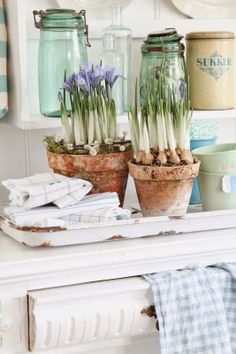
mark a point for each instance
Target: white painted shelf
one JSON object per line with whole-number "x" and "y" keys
{"x": 23, "y": 39}
{"x": 41, "y": 122}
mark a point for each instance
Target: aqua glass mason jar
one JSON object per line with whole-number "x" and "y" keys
{"x": 162, "y": 51}
{"x": 62, "y": 49}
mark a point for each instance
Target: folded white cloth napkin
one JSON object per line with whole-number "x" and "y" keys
{"x": 89, "y": 208}
{"x": 44, "y": 188}
{"x": 89, "y": 216}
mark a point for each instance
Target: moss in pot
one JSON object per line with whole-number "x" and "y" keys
{"x": 90, "y": 148}
{"x": 163, "y": 167}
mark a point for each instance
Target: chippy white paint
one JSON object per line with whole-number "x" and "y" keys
{"x": 161, "y": 226}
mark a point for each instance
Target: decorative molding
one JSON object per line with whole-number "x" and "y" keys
{"x": 13, "y": 321}
{"x": 89, "y": 313}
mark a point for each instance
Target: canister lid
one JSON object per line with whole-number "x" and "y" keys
{"x": 167, "y": 40}
{"x": 59, "y": 19}
{"x": 210, "y": 35}
{"x": 168, "y": 34}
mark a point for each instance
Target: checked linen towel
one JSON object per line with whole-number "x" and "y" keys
{"x": 44, "y": 188}
{"x": 110, "y": 214}
{"x": 196, "y": 309}
{"x": 3, "y": 63}
{"x": 92, "y": 208}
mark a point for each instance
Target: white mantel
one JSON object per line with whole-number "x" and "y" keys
{"x": 50, "y": 267}
{"x": 84, "y": 277}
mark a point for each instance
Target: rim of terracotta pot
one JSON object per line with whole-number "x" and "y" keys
{"x": 99, "y": 162}
{"x": 163, "y": 173}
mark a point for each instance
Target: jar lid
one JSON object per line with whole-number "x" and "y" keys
{"x": 210, "y": 35}
{"x": 163, "y": 41}
{"x": 59, "y": 18}
{"x": 166, "y": 35}
{"x": 61, "y": 12}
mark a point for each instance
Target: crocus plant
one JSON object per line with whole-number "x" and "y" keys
{"x": 161, "y": 135}
{"x": 91, "y": 126}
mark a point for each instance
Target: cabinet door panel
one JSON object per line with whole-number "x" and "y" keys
{"x": 88, "y": 313}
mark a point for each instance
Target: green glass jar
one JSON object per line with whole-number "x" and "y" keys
{"x": 162, "y": 51}
{"x": 62, "y": 48}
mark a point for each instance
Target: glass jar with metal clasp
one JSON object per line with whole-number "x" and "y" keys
{"x": 162, "y": 51}
{"x": 62, "y": 49}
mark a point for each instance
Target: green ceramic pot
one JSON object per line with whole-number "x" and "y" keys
{"x": 219, "y": 158}
{"x": 213, "y": 197}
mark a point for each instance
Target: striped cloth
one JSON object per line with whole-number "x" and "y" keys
{"x": 95, "y": 207}
{"x": 196, "y": 309}
{"x": 3, "y": 63}
{"x": 44, "y": 188}
{"x": 100, "y": 215}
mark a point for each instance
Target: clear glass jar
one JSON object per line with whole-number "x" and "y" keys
{"x": 62, "y": 48}
{"x": 113, "y": 58}
{"x": 123, "y": 45}
{"x": 162, "y": 51}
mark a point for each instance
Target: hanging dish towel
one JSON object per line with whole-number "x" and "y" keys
{"x": 3, "y": 63}
{"x": 196, "y": 309}
{"x": 44, "y": 188}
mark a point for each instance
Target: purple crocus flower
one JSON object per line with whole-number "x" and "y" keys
{"x": 96, "y": 76}
{"x": 182, "y": 88}
{"x": 68, "y": 85}
{"x": 111, "y": 75}
{"x": 82, "y": 81}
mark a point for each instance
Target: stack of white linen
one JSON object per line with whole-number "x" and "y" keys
{"x": 51, "y": 199}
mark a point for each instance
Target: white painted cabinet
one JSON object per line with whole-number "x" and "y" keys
{"x": 90, "y": 298}
{"x": 89, "y": 313}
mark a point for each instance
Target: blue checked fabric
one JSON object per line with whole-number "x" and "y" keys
{"x": 196, "y": 309}
{"x": 3, "y": 63}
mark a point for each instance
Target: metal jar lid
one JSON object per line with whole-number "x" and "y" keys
{"x": 164, "y": 41}
{"x": 209, "y": 35}
{"x": 55, "y": 19}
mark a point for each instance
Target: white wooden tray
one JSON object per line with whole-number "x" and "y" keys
{"x": 124, "y": 229}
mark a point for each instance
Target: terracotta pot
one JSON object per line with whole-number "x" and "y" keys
{"x": 163, "y": 190}
{"x": 106, "y": 172}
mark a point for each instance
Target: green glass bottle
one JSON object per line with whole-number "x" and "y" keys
{"x": 62, "y": 48}
{"x": 162, "y": 51}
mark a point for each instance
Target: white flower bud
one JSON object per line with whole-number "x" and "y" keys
{"x": 87, "y": 147}
{"x": 69, "y": 146}
{"x": 97, "y": 147}
{"x": 93, "y": 152}
{"x": 57, "y": 139}
{"x": 122, "y": 148}
{"x": 109, "y": 141}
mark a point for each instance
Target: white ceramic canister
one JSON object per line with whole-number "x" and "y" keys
{"x": 210, "y": 63}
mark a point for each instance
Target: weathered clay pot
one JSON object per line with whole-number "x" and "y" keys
{"x": 106, "y": 172}
{"x": 163, "y": 190}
